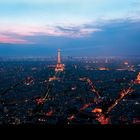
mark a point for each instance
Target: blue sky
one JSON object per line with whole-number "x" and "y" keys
{"x": 33, "y": 22}
{"x": 43, "y": 12}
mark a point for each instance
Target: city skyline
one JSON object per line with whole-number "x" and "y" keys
{"x": 69, "y": 62}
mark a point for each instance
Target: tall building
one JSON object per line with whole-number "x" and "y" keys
{"x": 59, "y": 66}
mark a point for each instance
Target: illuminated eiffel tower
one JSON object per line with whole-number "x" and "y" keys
{"x": 59, "y": 66}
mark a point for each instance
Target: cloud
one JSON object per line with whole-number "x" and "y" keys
{"x": 17, "y": 34}
{"x": 22, "y": 34}
{"x": 78, "y": 31}
{"x": 12, "y": 40}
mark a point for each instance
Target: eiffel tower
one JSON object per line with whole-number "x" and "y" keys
{"x": 59, "y": 66}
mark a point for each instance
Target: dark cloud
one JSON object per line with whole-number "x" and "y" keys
{"x": 68, "y": 29}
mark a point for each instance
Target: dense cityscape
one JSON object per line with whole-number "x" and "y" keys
{"x": 70, "y": 90}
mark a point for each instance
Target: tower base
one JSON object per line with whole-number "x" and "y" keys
{"x": 59, "y": 67}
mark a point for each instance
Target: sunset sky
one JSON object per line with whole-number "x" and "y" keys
{"x": 103, "y": 26}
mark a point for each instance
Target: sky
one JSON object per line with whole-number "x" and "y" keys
{"x": 87, "y": 26}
